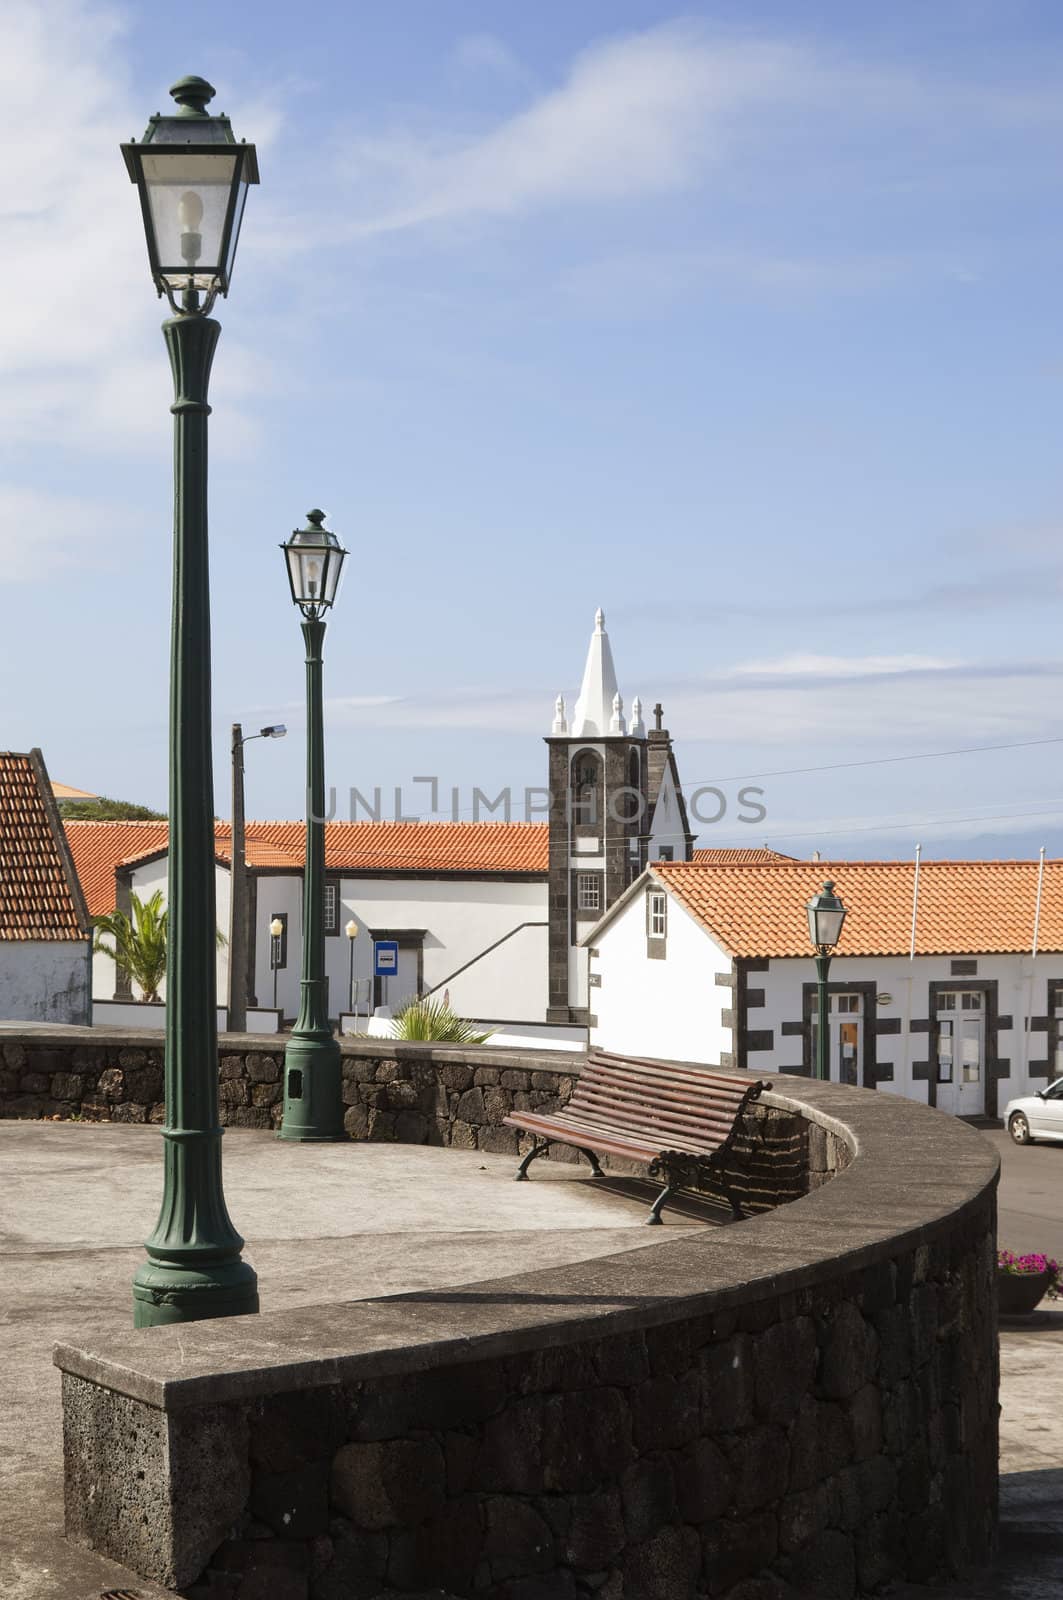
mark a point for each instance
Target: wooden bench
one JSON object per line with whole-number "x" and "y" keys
{"x": 678, "y": 1121}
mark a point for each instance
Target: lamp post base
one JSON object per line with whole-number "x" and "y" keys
{"x": 313, "y": 1090}
{"x": 165, "y": 1292}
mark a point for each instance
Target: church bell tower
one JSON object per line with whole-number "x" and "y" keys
{"x": 599, "y": 820}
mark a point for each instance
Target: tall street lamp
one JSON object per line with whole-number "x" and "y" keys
{"x": 351, "y": 930}
{"x": 313, "y": 1080}
{"x": 826, "y": 914}
{"x": 192, "y": 178}
{"x": 239, "y": 979}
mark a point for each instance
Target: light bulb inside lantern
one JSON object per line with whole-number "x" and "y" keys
{"x": 313, "y": 575}
{"x": 190, "y": 215}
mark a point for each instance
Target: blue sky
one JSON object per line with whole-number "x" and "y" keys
{"x": 743, "y": 322}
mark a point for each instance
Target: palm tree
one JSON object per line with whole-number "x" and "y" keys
{"x": 139, "y": 948}
{"x": 139, "y": 944}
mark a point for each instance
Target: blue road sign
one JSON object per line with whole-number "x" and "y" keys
{"x": 385, "y": 958}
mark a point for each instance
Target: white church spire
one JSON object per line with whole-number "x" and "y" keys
{"x": 616, "y": 721}
{"x": 638, "y": 729}
{"x": 560, "y": 725}
{"x": 594, "y": 708}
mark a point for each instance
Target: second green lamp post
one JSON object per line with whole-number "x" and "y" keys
{"x": 313, "y": 1081}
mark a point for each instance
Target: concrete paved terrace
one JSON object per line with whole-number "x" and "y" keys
{"x": 322, "y": 1223}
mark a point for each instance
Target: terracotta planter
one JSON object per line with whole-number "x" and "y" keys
{"x": 1019, "y": 1292}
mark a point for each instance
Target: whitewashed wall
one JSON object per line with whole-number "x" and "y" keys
{"x": 670, "y": 1007}
{"x": 673, "y": 1008}
{"x": 1021, "y": 993}
{"x": 44, "y": 980}
{"x": 145, "y": 880}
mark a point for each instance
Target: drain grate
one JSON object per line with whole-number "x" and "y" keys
{"x": 121, "y": 1594}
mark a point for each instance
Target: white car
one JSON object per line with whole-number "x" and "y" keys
{"x": 1036, "y": 1116}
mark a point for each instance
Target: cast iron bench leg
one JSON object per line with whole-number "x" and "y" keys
{"x": 539, "y": 1148}
{"x": 596, "y": 1166}
{"x": 658, "y": 1206}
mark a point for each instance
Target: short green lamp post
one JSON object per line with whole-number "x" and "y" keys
{"x": 313, "y": 1078}
{"x": 192, "y": 179}
{"x": 826, "y": 915}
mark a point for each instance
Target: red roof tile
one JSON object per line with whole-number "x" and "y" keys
{"x": 39, "y": 893}
{"x": 965, "y": 907}
{"x": 512, "y": 847}
{"x": 754, "y": 853}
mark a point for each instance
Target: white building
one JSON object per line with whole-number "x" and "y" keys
{"x": 44, "y": 925}
{"x": 491, "y": 913}
{"x": 951, "y": 993}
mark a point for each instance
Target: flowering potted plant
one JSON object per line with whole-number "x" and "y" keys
{"x": 1023, "y": 1280}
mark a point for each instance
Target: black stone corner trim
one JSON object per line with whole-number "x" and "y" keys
{"x": 963, "y": 969}
{"x": 724, "y": 980}
{"x": 1005, "y": 1021}
{"x": 920, "y": 1071}
{"x": 792, "y": 1030}
{"x": 757, "y": 963}
{"x": 888, "y": 1025}
{"x": 883, "y": 1071}
{"x": 803, "y": 1069}
{"x": 760, "y": 1039}
{"x": 919, "y": 1025}
{"x": 1037, "y": 1069}
{"x": 754, "y": 998}
{"x": 1000, "y": 1068}
{"x": 1039, "y": 1024}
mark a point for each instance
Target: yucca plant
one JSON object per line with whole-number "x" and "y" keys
{"x": 139, "y": 948}
{"x": 433, "y": 1019}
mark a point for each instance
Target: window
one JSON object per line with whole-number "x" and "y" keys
{"x": 588, "y": 891}
{"x": 332, "y": 906}
{"x": 666, "y": 852}
{"x": 586, "y": 770}
{"x": 657, "y": 914}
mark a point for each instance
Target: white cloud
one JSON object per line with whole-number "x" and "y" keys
{"x": 81, "y": 359}
{"x": 636, "y": 115}
{"x": 652, "y": 113}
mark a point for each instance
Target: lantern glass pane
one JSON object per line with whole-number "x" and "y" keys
{"x": 829, "y": 925}
{"x": 188, "y": 196}
{"x": 234, "y": 235}
{"x": 333, "y": 573}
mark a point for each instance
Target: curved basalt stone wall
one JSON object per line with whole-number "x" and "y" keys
{"x": 804, "y": 1404}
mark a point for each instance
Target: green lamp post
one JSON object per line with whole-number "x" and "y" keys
{"x": 826, "y": 914}
{"x": 313, "y": 1079}
{"x": 192, "y": 178}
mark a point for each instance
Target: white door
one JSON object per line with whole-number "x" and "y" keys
{"x": 961, "y": 1052}
{"x": 846, "y": 1037}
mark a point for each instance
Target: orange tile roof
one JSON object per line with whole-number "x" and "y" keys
{"x": 39, "y": 893}
{"x": 100, "y": 847}
{"x": 753, "y": 853}
{"x": 965, "y": 907}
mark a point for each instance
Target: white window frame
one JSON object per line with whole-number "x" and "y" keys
{"x": 656, "y": 914}
{"x": 589, "y": 891}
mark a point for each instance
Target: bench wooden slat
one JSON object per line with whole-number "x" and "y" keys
{"x": 643, "y": 1116}
{"x": 658, "y": 1068}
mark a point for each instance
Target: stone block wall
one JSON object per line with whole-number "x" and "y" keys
{"x": 821, "y": 1443}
